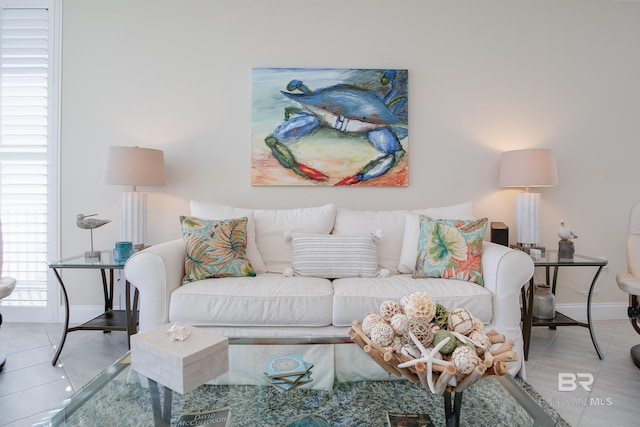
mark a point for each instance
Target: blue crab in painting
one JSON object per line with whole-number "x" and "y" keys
{"x": 347, "y": 109}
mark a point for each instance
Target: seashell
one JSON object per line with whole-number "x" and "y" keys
{"x": 388, "y": 309}
{"x": 410, "y": 350}
{"x": 400, "y": 323}
{"x": 382, "y": 334}
{"x": 465, "y": 359}
{"x": 420, "y": 304}
{"x": 478, "y": 326}
{"x": 369, "y": 321}
{"x": 461, "y": 321}
{"x": 482, "y": 339}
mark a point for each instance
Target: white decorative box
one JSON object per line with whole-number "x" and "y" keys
{"x": 181, "y": 366}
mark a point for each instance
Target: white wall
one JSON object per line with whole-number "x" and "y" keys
{"x": 484, "y": 76}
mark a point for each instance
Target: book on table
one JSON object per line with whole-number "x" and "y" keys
{"x": 395, "y": 419}
{"x": 218, "y": 417}
{"x": 288, "y": 372}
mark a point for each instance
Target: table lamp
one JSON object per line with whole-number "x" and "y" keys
{"x": 134, "y": 166}
{"x": 528, "y": 168}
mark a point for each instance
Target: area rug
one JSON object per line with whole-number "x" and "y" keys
{"x": 348, "y": 404}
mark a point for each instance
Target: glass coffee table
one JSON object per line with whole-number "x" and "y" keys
{"x": 116, "y": 397}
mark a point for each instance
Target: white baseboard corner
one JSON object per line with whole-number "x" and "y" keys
{"x": 599, "y": 311}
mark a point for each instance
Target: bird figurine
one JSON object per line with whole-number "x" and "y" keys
{"x": 83, "y": 221}
{"x": 87, "y": 223}
{"x": 564, "y": 233}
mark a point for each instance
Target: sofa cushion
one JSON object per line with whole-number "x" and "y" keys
{"x": 331, "y": 256}
{"x": 450, "y": 249}
{"x": 411, "y": 234}
{"x": 272, "y": 223}
{"x": 215, "y": 248}
{"x": 355, "y": 297}
{"x": 392, "y": 224}
{"x": 215, "y": 211}
{"x": 265, "y": 300}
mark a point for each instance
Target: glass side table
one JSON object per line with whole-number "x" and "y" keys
{"x": 110, "y": 320}
{"x": 551, "y": 261}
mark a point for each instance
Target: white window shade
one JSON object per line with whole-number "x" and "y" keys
{"x": 25, "y": 148}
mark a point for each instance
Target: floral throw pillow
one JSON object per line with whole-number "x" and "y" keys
{"x": 450, "y": 249}
{"x": 215, "y": 248}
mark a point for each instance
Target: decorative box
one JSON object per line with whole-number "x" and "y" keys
{"x": 181, "y": 366}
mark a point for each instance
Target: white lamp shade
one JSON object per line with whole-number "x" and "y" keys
{"x": 528, "y": 168}
{"x": 134, "y": 166}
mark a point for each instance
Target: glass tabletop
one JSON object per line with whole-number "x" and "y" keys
{"x": 81, "y": 261}
{"x": 550, "y": 257}
{"x": 119, "y": 396}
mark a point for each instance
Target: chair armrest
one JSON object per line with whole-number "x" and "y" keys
{"x": 156, "y": 272}
{"x": 628, "y": 283}
{"x": 505, "y": 271}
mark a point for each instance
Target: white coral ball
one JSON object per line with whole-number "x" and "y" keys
{"x": 400, "y": 323}
{"x": 465, "y": 360}
{"x": 382, "y": 334}
{"x": 388, "y": 309}
{"x": 420, "y": 304}
{"x": 369, "y": 322}
{"x": 461, "y": 321}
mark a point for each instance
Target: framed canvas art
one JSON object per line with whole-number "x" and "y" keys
{"x": 329, "y": 127}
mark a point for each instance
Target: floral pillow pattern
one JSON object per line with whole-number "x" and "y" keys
{"x": 450, "y": 249}
{"x": 215, "y": 248}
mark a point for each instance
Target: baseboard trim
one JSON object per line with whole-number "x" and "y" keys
{"x": 599, "y": 311}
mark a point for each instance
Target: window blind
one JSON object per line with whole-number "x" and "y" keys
{"x": 24, "y": 145}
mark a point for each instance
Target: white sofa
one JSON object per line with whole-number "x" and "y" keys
{"x": 273, "y": 304}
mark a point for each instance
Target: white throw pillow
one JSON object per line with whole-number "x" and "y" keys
{"x": 332, "y": 257}
{"x": 463, "y": 211}
{"x": 392, "y": 222}
{"x": 272, "y": 223}
{"x": 219, "y": 212}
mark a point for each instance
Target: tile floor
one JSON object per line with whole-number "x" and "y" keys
{"x": 30, "y": 386}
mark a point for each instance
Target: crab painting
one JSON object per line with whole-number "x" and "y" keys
{"x": 372, "y": 113}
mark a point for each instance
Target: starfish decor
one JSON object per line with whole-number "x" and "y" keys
{"x": 428, "y": 357}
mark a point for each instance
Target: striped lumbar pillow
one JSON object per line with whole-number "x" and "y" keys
{"x": 332, "y": 256}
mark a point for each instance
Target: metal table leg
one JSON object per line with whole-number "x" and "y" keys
{"x": 589, "y": 320}
{"x": 66, "y": 318}
{"x": 161, "y": 414}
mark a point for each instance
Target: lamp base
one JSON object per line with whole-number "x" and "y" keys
{"x": 528, "y": 218}
{"x": 133, "y": 218}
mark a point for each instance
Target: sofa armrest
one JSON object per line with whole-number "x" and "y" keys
{"x": 156, "y": 272}
{"x": 504, "y": 271}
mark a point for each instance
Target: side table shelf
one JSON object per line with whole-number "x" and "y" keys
{"x": 110, "y": 320}
{"x": 551, "y": 261}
